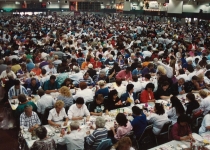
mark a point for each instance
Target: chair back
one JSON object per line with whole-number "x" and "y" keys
{"x": 147, "y": 132}
{"x": 105, "y": 144}
{"x": 45, "y": 116}
{"x": 165, "y": 127}
{"x": 198, "y": 121}
{"x": 111, "y": 80}
{"x": 67, "y": 108}
{"x": 169, "y": 131}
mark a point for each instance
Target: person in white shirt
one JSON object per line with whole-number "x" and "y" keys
{"x": 75, "y": 77}
{"x": 44, "y": 77}
{"x": 137, "y": 84}
{"x": 121, "y": 88}
{"x": 74, "y": 139}
{"x": 182, "y": 75}
{"x": 86, "y": 93}
{"x": 57, "y": 61}
{"x": 146, "y": 53}
{"x": 158, "y": 118}
{"x": 205, "y": 102}
{"x": 57, "y": 114}
{"x": 6, "y": 72}
{"x": 79, "y": 110}
{"x": 50, "y": 68}
{"x": 44, "y": 101}
{"x": 205, "y": 125}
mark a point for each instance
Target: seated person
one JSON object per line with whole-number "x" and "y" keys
{"x": 22, "y": 72}
{"x": 68, "y": 83}
{"x": 205, "y": 103}
{"x": 180, "y": 87}
{"x": 51, "y": 85}
{"x": 99, "y": 133}
{"x": 201, "y": 82}
{"x": 23, "y": 102}
{"x": 181, "y": 130}
{"x": 148, "y": 69}
{"x": 113, "y": 101}
{"x": 176, "y": 109}
{"x": 124, "y": 126}
{"x": 121, "y": 89}
{"x": 192, "y": 104}
{"x": 97, "y": 107}
{"x": 205, "y": 125}
{"x": 125, "y": 74}
{"x": 57, "y": 114}
{"x": 33, "y": 86}
{"x": 65, "y": 96}
{"x": 129, "y": 98}
{"x": 158, "y": 118}
{"x": 87, "y": 79}
{"x": 163, "y": 92}
{"x": 137, "y": 71}
{"x": 124, "y": 143}
{"x": 84, "y": 92}
{"x": 75, "y": 139}
{"x": 36, "y": 70}
{"x": 182, "y": 75}
{"x": 147, "y": 78}
{"x": 139, "y": 123}
{"x": 102, "y": 89}
{"x": 147, "y": 95}
{"x": 193, "y": 85}
{"x": 136, "y": 83}
{"x": 50, "y": 69}
{"x": 79, "y": 110}
{"x": 16, "y": 90}
{"x": 45, "y": 101}
{"x": 102, "y": 76}
{"x": 44, "y": 140}
{"x": 29, "y": 119}
{"x": 91, "y": 71}
{"x": 44, "y": 77}
{"x": 110, "y": 61}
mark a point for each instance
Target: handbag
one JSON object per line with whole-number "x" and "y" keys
{"x": 197, "y": 113}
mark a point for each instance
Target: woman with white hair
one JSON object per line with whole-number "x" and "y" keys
{"x": 110, "y": 60}
{"x": 162, "y": 76}
{"x": 99, "y": 134}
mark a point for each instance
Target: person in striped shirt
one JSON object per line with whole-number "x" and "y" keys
{"x": 99, "y": 134}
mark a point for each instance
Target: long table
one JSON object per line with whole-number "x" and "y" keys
{"x": 202, "y": 140}
{"x": 84, "y": 126}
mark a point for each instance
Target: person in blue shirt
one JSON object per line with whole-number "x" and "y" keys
{"x": 51, "y": 85}
{"x": 148, "y": 69}
{"x": 103, "y": 90}
{"x": 137, "y": 71}
{"x": 129, "y": 95}
{"x": 139, "y": 122}
{"x": 29, "y": 65}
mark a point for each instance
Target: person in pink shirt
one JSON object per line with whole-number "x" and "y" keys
{"x": 124, "y": 126}
{"x": 125, "y": 74}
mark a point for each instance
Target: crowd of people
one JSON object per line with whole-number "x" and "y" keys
{"x": 43, "y": 55}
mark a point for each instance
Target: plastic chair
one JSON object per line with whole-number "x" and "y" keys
{"x": 145, "y": 136}
{"x": 105, "y": 144}
{"x": 163, "y": 131}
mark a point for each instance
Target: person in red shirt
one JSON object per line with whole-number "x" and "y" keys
{"x": 97, "y": 63}
{"x": 147, "y": 95}
{"x": 181, "y": 130}
{"x": 113, "y": 42}
{"x": 38, "y": 58}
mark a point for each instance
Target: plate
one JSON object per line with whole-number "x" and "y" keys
{"x": 197, "y": 137}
